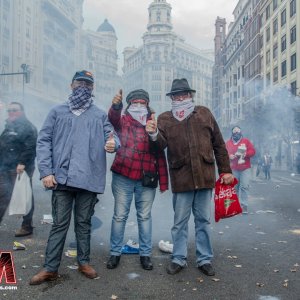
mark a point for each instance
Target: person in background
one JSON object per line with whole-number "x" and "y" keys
{"x": 266, "y": 164}
{"x": 259, "y": 165}
{"x": 240, "y": 151}
{"x": 297, "y": 162}
{"x": 194, "y": 143}
{"x": 17, "y": 154}
{"x": 71, "y": 155}
{"x": 135, "y": 158}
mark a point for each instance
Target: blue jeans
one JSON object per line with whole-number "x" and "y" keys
{"x": 199, "y": 202}
{"x": 242, "y": 188}
{"x": 62, "y": 206}
{"x": 123, "y": 190}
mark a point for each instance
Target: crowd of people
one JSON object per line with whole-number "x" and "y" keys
{"x": 183, "y": 144}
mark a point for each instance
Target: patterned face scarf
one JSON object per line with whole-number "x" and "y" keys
{"x": 139, "y": 112}
{"x": 182, "y": 109}
{"x": 80, "y": 100}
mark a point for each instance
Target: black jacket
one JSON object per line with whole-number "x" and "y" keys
{"x": 18, "y": 144}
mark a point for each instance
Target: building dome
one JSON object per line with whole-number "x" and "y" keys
{"x": 106, "y": 27}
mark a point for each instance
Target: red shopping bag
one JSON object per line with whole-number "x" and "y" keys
{"x": 226, "y": 200}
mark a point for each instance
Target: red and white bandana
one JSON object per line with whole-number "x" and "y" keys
{"x": 182, "y": 109}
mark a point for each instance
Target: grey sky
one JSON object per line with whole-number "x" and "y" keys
{"x": 192, "y": 19}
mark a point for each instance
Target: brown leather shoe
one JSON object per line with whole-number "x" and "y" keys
{"x": 88, "y": 271}
{"x": 43, "y": 276}
{"x": 23, "y": 232}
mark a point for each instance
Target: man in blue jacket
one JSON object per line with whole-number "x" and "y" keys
{"x": 72, "y": 162}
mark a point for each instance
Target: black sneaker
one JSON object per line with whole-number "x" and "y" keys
{"x": 207, "y": 269}
{"x": 174, "y": 268}
{"x": 113, "y": 262}
{"x": 146, "y": 263}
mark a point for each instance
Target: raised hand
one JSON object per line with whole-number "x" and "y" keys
{"x": 118, "y": 98}
{"x": 110, "y": 143}
{"x": 151, "y": 125}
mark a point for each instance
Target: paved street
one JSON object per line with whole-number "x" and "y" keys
{"x": 256, "y": 255}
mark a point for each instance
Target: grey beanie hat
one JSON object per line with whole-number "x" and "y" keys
{"x": 138, "y": 94}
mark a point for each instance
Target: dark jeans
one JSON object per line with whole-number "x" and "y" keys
{"x": 267, "y": 172}
{"x": 7, "y": 182}
{"x": 62, "y": 207}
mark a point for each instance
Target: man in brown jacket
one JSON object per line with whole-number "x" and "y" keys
{"x": 194, "y": 143}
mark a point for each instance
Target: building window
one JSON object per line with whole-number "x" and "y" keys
{"x": 275, "y": 26}
{"x": 283, "y": 17}
{"x": 158, "y": 16}
{"x": 292, "y": 8}
{"x": 261, "y": 41}
{"x": 268, "y": 34}
{"x": 275, "y": 51}
{"x": 293, "y": 34}
{"x": 283, "y": 43}
{"x": 275, "y": 74}
{"x": 268, "y": 57}
{"x": 268, "y": 79}
{"x": 268, "y": 12}
{"x": 293, "y": 62}
{"x": 294, "y": 88}
{"x": 275, "y": 4}
{"x": 283, "y": 68}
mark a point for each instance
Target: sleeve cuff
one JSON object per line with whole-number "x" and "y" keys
{"x": 117, "y": 106}
{"x": 153, "y": 136}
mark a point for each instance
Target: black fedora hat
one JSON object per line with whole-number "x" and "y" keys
{"x": 180, "y": 85}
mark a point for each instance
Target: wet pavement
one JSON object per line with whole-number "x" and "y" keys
{"x": 256, "y": 255}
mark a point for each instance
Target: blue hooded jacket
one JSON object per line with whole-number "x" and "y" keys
{"x": 71, "y": 147}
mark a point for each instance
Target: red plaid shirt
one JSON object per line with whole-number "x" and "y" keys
{"x": 134, "y": 155}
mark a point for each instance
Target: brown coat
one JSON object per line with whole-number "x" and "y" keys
{"x": 193, "y": 146}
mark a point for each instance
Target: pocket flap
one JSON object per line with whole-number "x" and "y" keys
{"x": 177, "y": 163}
{"x": 208, "y": 159}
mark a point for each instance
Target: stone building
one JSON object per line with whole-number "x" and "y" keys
{"x": 164, "y": 56}
{"x": 99, "y": 52}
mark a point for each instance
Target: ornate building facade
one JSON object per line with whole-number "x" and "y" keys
{"x": 47, "y": 36}
{"x": 163, "y": 57}
{"x": 99, "y": 52}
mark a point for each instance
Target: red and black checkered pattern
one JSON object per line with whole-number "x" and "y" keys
{"x": 135, "y": 154}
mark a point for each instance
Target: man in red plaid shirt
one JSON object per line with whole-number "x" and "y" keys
{"x": 134, "y": 159}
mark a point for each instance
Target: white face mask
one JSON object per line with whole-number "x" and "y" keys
{"x": 182, "y": 109}
{"x": 139, "y": 112}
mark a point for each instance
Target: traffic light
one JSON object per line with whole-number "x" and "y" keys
{"x": 26, "y": 72}
{"x": 27, "y": 76}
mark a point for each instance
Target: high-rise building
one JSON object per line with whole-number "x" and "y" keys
{"x": 99, "y": 55}
{"x": 163, "y": 57}
{"x": 6, "y": 43}
{"x": 280, "y": 50}
{"x": 252, "y": 58}
{"x": 234, "y": 63}
{"x": 47, "y": 37}
{"x": 218, "y": 68}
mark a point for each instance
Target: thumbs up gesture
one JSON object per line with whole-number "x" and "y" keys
{"x": 118, "y": 98}
{"x": 110, "y": 143}
{"x": 151, "y": 125}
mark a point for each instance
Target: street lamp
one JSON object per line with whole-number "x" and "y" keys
{"x": 25, "y": 73}
{"x": 26, "y": 79}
